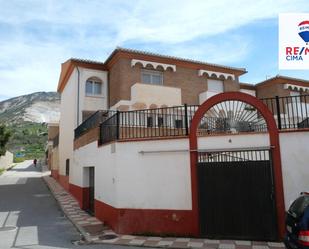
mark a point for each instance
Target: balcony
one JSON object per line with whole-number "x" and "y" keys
{"x": 155, "y": 95}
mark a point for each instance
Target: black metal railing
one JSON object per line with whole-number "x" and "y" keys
{"x": 290, "y": 112}
{"x": 55, "y": 141}
{"x": 109, "y": 129}
{"x": 160, "y": 122}
{"x": 169, "y": 121}
{"x": 93, "y": 121}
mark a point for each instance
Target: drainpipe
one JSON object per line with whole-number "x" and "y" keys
{"x": 78, "y": 90}
{"x": 107, "y": 90}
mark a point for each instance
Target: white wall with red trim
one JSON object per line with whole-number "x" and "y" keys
{"x": 294, "y": 148}
{"x": 70, "y": 106}
{"x": 126, "y": 178}
{"x": 68, "y": 120}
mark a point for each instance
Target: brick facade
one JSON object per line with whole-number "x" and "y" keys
{"x": 275, "y": 86}
{"x": 123, "y": 76}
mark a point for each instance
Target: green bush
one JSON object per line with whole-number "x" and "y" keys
{"x": 18, "y": 159}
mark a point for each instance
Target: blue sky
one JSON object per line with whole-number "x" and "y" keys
{"x": 36, "y": 36}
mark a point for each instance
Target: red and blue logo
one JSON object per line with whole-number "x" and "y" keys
{"x": 297, "y": 53}
{"x": 304, "y": 31}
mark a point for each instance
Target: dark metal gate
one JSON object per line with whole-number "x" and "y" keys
{"x": 236, "y": 195}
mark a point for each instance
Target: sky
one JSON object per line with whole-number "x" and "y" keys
{"x": 36, "y": 36}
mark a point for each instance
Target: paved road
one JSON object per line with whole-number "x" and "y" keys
{"x": 29, "y": 215}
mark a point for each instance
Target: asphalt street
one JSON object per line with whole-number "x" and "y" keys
{"x": 29, "y": 215}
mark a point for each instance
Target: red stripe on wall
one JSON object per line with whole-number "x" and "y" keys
{"x": 64, "y": 181}
{"x": 55, "y": 174}
{"x": 81, "y": 195}
{"x": 146, "y": 221}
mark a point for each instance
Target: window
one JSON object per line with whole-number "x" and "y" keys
{"x": 152, "y": 77}
{"x": 93, "y": 87}
{"x": 67, "y": 167}
{"x": 215, "y": 85}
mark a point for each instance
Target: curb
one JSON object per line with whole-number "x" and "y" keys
{"x": 84, "y": 235}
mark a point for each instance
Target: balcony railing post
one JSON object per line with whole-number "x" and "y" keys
{"x": 278, "y": 112}
{"x": 117, "y": 124}
{"x": 186, "y": 120}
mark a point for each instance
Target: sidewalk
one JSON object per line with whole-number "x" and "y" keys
{"x": 94, "y": 230}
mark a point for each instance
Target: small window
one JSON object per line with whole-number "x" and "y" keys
{"x": 152, "y": 77}
{"x": 93, "y": 87}
{"x": 67, "y": 167}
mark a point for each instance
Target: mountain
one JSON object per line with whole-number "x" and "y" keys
{"x": 39, "y": 107}
{"x": 26, "y": 117}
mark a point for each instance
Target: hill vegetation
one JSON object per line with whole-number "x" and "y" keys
{"x": 26, "y": 119}
{"x": 28, "y": 140}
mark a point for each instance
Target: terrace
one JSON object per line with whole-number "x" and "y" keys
{"x": 230, "y": 117}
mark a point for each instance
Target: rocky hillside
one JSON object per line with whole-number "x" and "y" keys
{"x": 26, "y": 117}
{"x": 39, "y": 107}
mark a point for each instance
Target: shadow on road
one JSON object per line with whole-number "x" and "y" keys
{"x": 30, "y": 168}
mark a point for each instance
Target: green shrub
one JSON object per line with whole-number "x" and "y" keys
{"x": 18, "y": 159}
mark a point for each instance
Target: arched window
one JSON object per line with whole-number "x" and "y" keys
{"x": 94, "y": 87}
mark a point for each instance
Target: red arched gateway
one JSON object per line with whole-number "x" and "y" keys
{"x": 274, "y": 145}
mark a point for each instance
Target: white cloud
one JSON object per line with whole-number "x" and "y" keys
{"x": 42, "y": 34}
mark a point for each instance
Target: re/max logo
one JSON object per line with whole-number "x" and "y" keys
{"x": 296, "y": 53}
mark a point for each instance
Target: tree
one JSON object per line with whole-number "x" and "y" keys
{"x": 4, "y": 138}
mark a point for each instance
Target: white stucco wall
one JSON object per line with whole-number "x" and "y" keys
{"x": 206, "y": 95}
{"x": 92, "y": 103}
{"x": 295, "y": 164}
{"x": 126, "y": 178}
{"x": 154, "y": 180}
{"x": 69, "y": 109}
{"x": 233, "y": 141}
{"x": 105, "y": 171}
{"x": 247, "y": 91}
{"x": 68, "y": 121}
{"x": 155, "y": 94}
